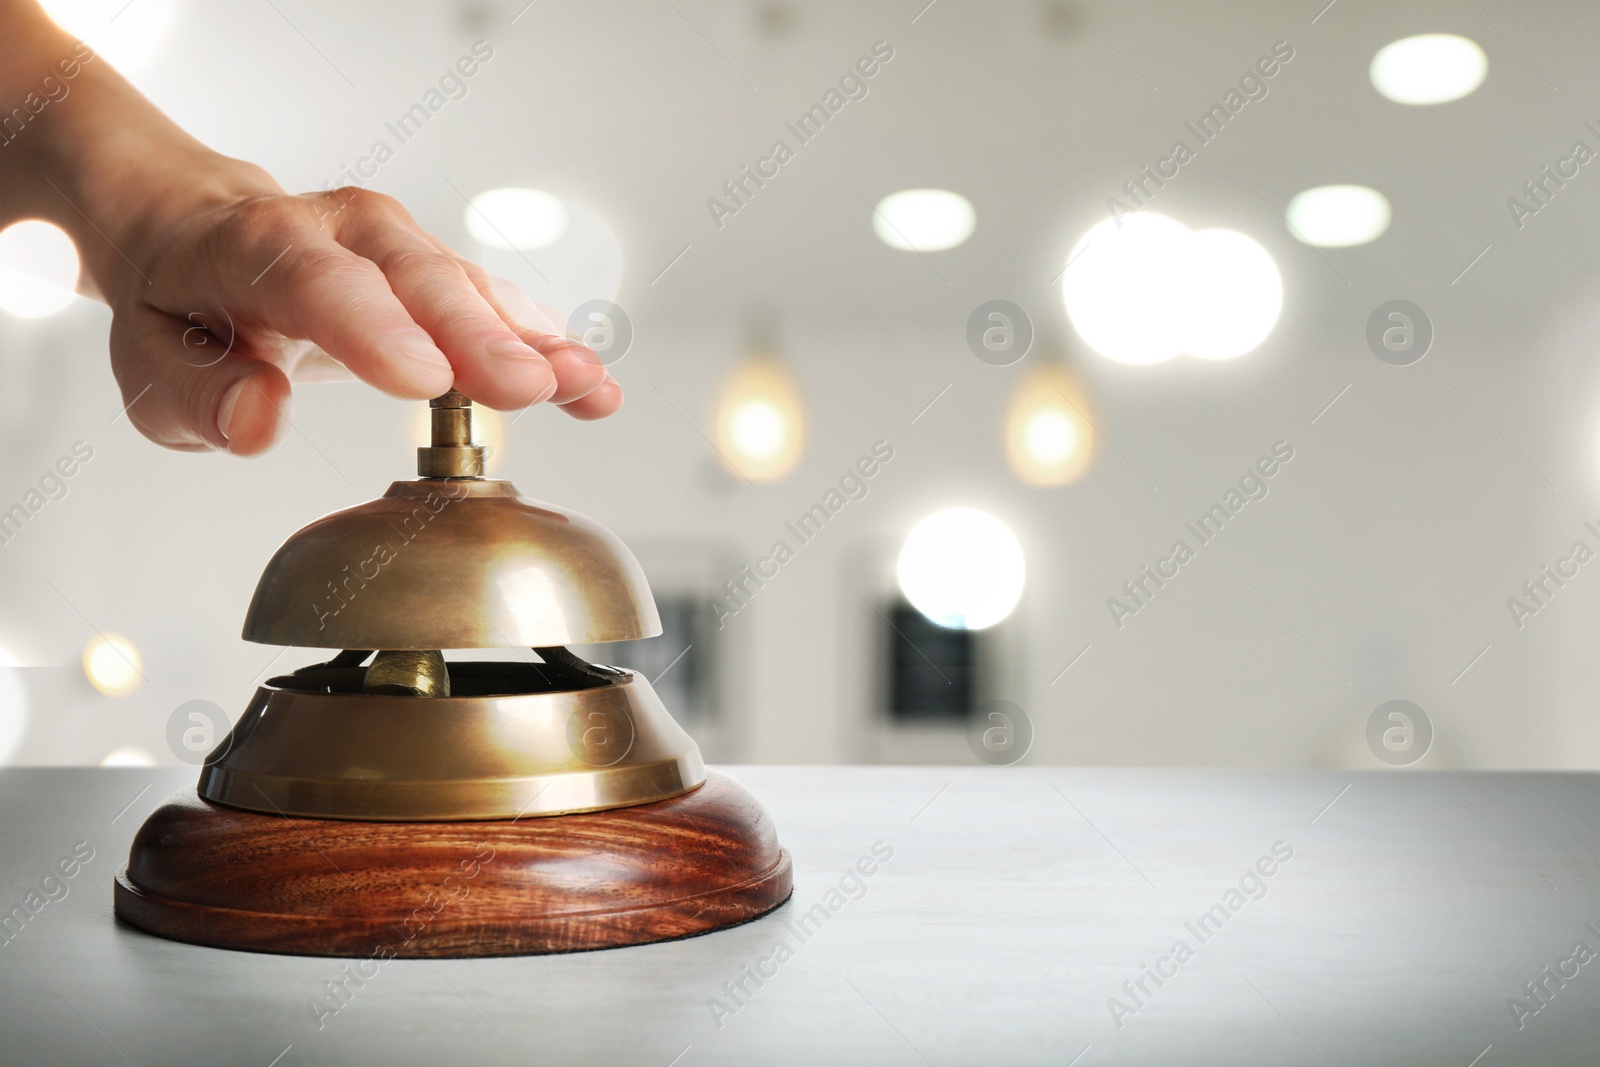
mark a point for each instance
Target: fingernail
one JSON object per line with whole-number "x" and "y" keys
{"x": 230, "y": 400}
{"x": 510, "y": 348}
{"x": 419, "y": 347}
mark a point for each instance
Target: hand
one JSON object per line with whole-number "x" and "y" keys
{"x": 214, "y": 324}
{"x": 224, "y": 289}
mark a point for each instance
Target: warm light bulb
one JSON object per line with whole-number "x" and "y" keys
{"x": 112, "y": 664}
{"x": 962, "y": 568}
{"x": 758, "y": 430}
{"x": 924, "y": 220}
{"x": 1049, "y": 439}
{"x": 38, "y": 269}
{"x": 516, "y": 218}
{"x": 760, "y": 426}
{"x": 1433, "y": 68}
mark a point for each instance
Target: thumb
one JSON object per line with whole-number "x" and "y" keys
{"x": 193, "y": 385}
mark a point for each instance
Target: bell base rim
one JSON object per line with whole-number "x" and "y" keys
{"x": 481, "y": 757}
{"x": 220, "y": 877}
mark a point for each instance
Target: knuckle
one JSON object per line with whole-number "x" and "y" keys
{"x": 259, "y": 221}
{"x": 367, "y": 203}
{"x": 269, "y": 214}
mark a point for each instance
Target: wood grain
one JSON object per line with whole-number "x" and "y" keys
{"x": 213, "y": 875}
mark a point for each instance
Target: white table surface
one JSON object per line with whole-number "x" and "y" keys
{"x": 1016, "y": 903}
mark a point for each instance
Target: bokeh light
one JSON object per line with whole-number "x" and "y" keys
{"x": 1049, "y": 439}
{"x": 924, "y": 220}
{"x": 1433, "y": 68}
{"x": 38, "y": 269}
{"x": 112, "y": 664}
{"x": 1338, "y": 216}
{"x": 516, "y": 218}
{"x": 1142, "y": 288}
{"x": 962, "y": 568}
{"x": 760, "y": 423}
{"x": 127, "y": 34}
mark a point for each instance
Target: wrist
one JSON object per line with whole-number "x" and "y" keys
{"x": 123, "y": 178}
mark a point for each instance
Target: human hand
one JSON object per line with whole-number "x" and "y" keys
{"x": 224, "y": 288}
{"x": 231, "y": 304}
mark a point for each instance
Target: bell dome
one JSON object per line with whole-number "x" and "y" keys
{"x": 451, "y": 560}
{"x": 451, "y": 563}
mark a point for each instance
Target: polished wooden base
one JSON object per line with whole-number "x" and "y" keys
{"x": 213, "y": 875}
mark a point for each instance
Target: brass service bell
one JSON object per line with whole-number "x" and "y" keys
{"x": 397, "y": 758}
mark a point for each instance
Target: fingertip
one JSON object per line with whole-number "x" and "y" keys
{"x": 421, "y": 369}
{"x": 578, "y": 370}
{"x": 515, "y": 376}
{"x": 605, "y": 399}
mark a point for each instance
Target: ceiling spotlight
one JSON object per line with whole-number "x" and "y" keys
{"x": 1338, "y": 216}
{"x": 1433, "y": 68}
{"x": 962, "y": 568}
{"x": 760, "y": 425}
{"x": 516, "y": 218}
{"x": 1142, "y": 288}
{"x": 38, "y": 269}
{"x": 112, "y": 665}
{"x": 923, "y": 220}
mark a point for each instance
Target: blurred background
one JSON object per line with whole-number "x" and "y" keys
{"x": 980, "y": 346}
